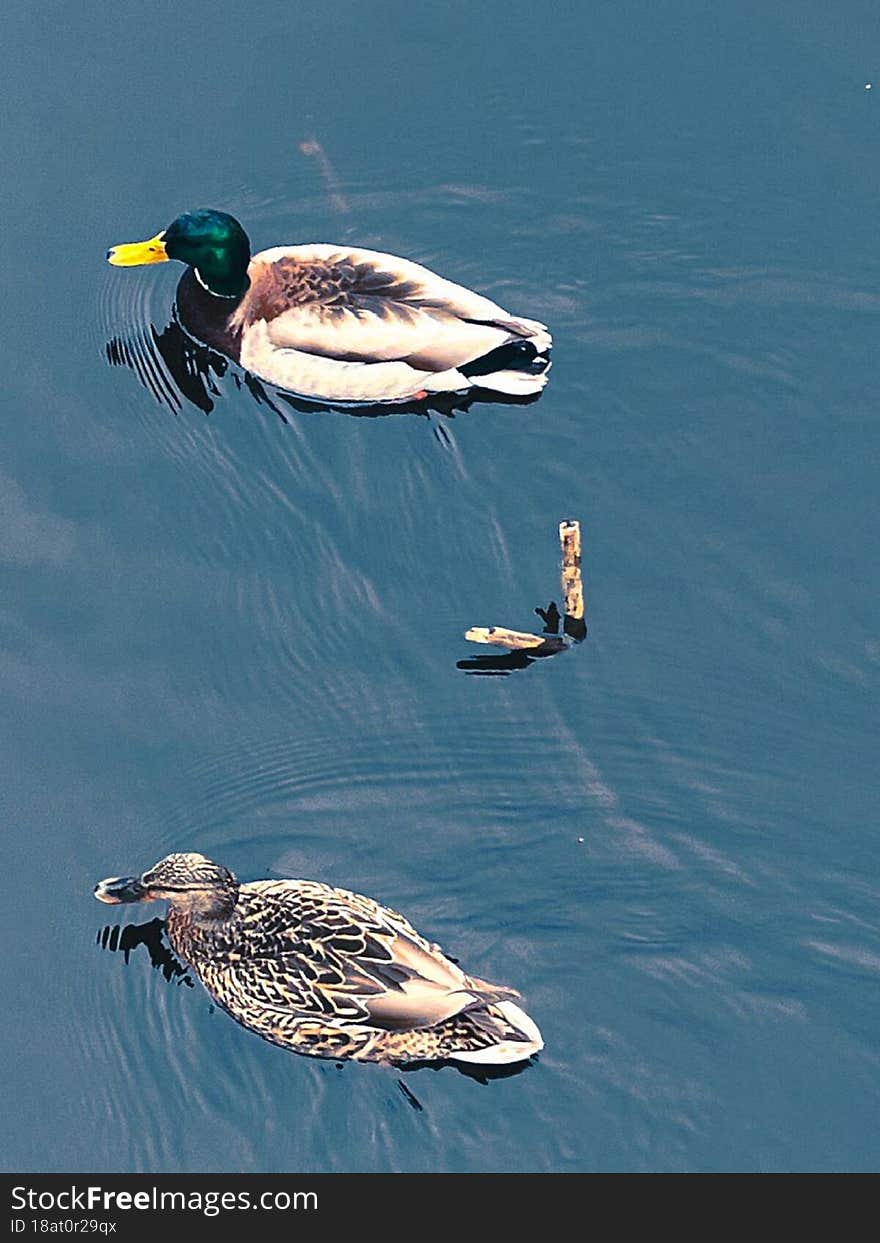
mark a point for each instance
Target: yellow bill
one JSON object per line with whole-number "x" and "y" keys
{"x": 133, "y": 254}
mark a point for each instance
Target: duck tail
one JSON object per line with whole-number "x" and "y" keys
{"x": 518, "y": 1036}
{"x": 519, "y": 367}
{"x": 512, "y": 383}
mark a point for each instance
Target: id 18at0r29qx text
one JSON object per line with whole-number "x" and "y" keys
{"x": 64, "y": 1225}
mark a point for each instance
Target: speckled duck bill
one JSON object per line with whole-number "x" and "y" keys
{"x": 120, "y": 889}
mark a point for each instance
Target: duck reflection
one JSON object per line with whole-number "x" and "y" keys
{"x": 178, "y": 370}
{"x": 124, "y": 938}
{"x": 480, "y": 1074}
{"x": 484, "y": 1075}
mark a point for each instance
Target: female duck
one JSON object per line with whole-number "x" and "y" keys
{"x": 326, "y": 972}
{"x": 340, "y": 323}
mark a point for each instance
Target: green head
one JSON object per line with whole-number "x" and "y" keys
{"x": 211, "y": 242}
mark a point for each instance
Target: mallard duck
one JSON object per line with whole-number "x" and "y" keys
{"x": 326, "y": 972}
{"x": 339, "y": 323}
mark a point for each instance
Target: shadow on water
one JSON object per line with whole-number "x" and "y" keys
{"x": 178, "y": 370}
{"x": 123, "y": 938}
{"x": 470, "y": 1070}
{"x": 505, "y": 664}
{"x": 484, "y": 1075}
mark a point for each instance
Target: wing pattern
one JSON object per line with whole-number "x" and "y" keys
{"x": 319, "y": 952}
{"x": 367, "y": 307}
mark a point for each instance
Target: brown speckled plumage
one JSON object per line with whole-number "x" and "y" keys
{"x": 327, "y": 972}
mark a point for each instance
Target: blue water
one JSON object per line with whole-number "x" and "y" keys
{"x": 237, "y": 634}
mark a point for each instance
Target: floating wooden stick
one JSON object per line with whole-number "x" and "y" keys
{"x": 573, "y": 594}
{"x": 499, "y": 636}
{"x": 572, "y": 585}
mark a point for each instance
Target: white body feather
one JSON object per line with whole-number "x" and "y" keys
{"x": 393, "y": 350}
